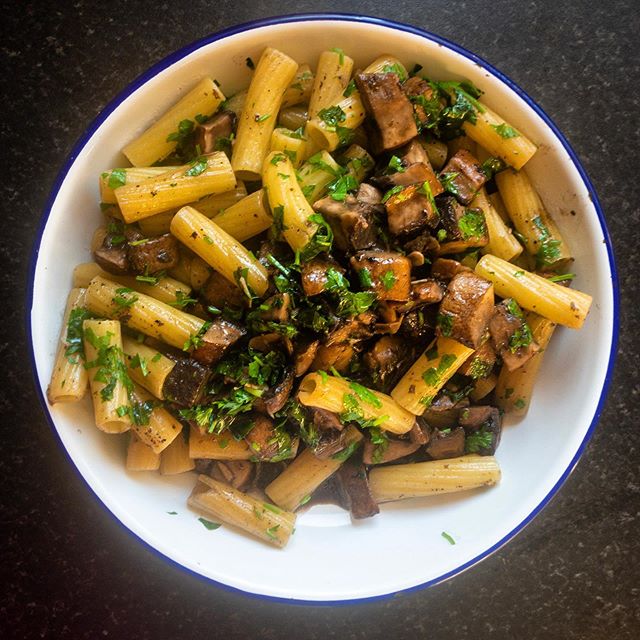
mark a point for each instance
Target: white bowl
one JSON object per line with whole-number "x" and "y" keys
{"x": 329, "y": 558}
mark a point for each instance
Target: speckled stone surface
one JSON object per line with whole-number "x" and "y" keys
{"x": 70, "y": 571}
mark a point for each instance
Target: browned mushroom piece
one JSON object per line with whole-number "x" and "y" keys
{"x": 483, "y": 428}
{"x": 331, "y": 442}
{"x": 418, "y": 325}
{"x": 112, "y": 259}
{"x": 388, "y": 272}
{"x": 411, "y": 210}
{"x": 416, "y": 173}
{"x": 337, "y": 356}
{"x": 212, "y": 135}
{"x": 443, "y": 412}
{"x": 314, "y": 275}
{"x": 326, "y": 420}
{"x": 151, "y": 255}
{"x": 446, "y": 444}
{"x": 220, "y": 293}
{"x": 389, "y": 107}
{"x": 423, "y": 292}
{"x": 368, "y": 194}
{"x": 463, "y": 228}
{"x": 304, "y": 354}
{"x": 420, "y": 432}
{"x": 186, "y": 383}
{"x": 275, "y": 398}
{"x": 481, "y": 362}
{"x": 421, "y": 93}
{"x": 266, "y": 342}
{"x": 237, "y": 473}
{"x": 392, "y": 450}
{"x": 465, "y": 174}
{"x": 353, "y": 484}
{"x": 276, "y": 308}
{"x": 353, "y": 222}
{"x": 215, "y": 341}
{"x": 445, "y": 268}
{"x": 466, "y": 309}
{"x": 385, "y": 357}
{"x": 511, "y": 336}
{"x": 390, "y": 316}
{"x": 262, "y": 438}
{"x": 266, "y": 473}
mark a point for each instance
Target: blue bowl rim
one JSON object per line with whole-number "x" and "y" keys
{"x": 343, "y": 17}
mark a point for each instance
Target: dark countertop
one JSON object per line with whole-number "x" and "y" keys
{"x": 72, "y": 572}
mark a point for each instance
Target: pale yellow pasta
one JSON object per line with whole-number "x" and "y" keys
{"x": 175, "y": 458}
{"x": 69, "y": 377}
{"x": 541, "y": 235}
{"x": 327, "y": 135}
{"x": 225, "y": 504}
{"x": 140, "y": 456}
{"x": 286, "y": 196}
{"x": 218, "y": 249}
{"x": 114, "y": 178}
{"x": 300, "y": 88}
{"x": 199, "y": 272}
{"x": 514, "y": 389}
{"x": 498, "y": 205}
{"x": 359, "y": 162}
{"x": 502, "y": 242}
{"x": 210, "y": 174}
{"x": 161, "y": 428}
{"x": 213, "y": 446}
{"x": 111, "y": 408}
{"x": 316, "y": 174}
{"x": 236, "y": 102}
{"x": 154, "y": 144}
{"x": 290, "y": 143}
{"x": 332, "y": 76}
{"x": 247, "y": 217}
{"x": 306, "y": 473}
{"x": 272, "y": 76}
{"x": 142, "y": 313}
{"x": 167, "y": 289}
{"x": 210, "y": 206}
{"x": 559, "y": 304}
{"x": 330, "y": 392}
{"x": 147, "y": 366}
{"x": 482, "y": 387}
{"x": 516, "y": 150}
{"x": 419, "y": 479}
{"x": 431, "y": 371}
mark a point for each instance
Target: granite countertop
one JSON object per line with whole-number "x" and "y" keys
{"x": 72, "y": 572}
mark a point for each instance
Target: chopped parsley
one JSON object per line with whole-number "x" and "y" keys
{"x": 349, "y": 89}
{"x": 139, "y": 361}
{"x": 197, "y": 167}
{"x": 182, "y": 300}
{"x": 472, "y": 224}
{"x": 322, "y": 239}
{"x": 340, "y": 53}
{"x": 117, "y": 178}
{"x": 448, "y": 537}
{"x": 448, "y": 182}
{"x": 395, "y": 165}
{"x": 366, "y": 395}
{"x": 332, "y": 116}
{"x": 388, "y": 279}
{"x": 125, "y": 297}
{"x": 505, "y": 131}
{"x": 271, "y": 531}
{"x": 491, "y": 166}
{"x": 75, "y": 334}
{"x": 396, "y": 68}
{"x": 364, "y": 275}
{"x": 561, "y": 278}
{"x": 549, "y": 250}
{"x": 341, "y": 186}
{"x": 346, "y": 453}
{"x": 433, "y": 376}
{"x": 209, "y": 525}
{"x": 442, "y": 235}
{"x": 478, "y": 440}
{"x": 520, "y": 403}
{"x": 262, "y": 118}
{"x": 444, "y": 321}
{"x": 392, "y": 192}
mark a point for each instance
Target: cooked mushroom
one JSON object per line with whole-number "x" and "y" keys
{"x": 110, "y": 252}
{"x": 483, "y": 427}
{"x": 423, "y": 292}
{"x": 420, "y": 432}
{"x": 411, "y": 210}
{"x": 353, "y": 222}
{"x": 326, "y": 420}
{"x": 212, "y": 135}
{"x": 444, "y": 411}
{"x": 305, "y": 352}
{"x": 220, "y": 293}
{"x": 314, "y": 275}
{"x": 221, "y": 335}
{"x": 237, "y": 473}
{"x": 388, "y": 273}
{"x": 186, "y": 383}
{"x": 463, "y": 228}
{"x": 151, "y": 255}
{"x": 416, "y": 173}
{"x": 421, "y": 93}
{"x": 418, "y": 325}
{"x": 275, "y": 398}
{"x": 354, "y": 486}
{"x": 511, "y": 335}
{"x": 446, "y": 444}
{"x": 466, "y": 309}
{"x": 480, "y": 363}
{"x": 337, "y": 356}
{"x": 276, "y": 308}
{"x": 465, "y": 176}
{"x": 389, "y": 107}
{"x": 368, "y": 194}
{"x": 331, "y": 442}
{"x": 392, "y": 450}
{"x": 262, "y": 438}
{"x": 386, "y": 357}
{"x": 445, "y": 268}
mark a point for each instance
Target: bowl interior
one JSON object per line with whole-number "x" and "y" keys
{"x": 329, "y": 558}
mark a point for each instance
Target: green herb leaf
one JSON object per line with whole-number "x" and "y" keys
{"x": 505, "y": 131}
{"x": 210, "y": 526}
{"x": 448, "y": 538}
{"x": 388, "y": 279}
{"x": 117, "y": 178}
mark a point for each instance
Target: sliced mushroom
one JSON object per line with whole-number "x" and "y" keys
{"x": 386, "y": 357}
{"x": 511, "y": 336}
{"x": 465, "y": 175}
{"x": 211, "y": 134}
{"x": 354, "y": 486}
{"x": 275, "y": 398}
{"x": 446, "y": 444}
{"x": 463, "y": 228}
{"x": 237, "y": 473}
{"x": 388, "y": 272}
{"x": 221, "y": 335}
{"x": 421, "y": 93}
{"x": 392, "y": 450}
{"x": 220, "y": 293}
{"x": 304, "y": 354}
{"x": 326, "y": 420}
{"x": 151, "y": 255}
{"x": 445, "y": 269}
{"x": 483, "y": 427}
{"x": 262, "y": 438}
{"x": 186, "y": 383}
{"x": 411, "y": 210}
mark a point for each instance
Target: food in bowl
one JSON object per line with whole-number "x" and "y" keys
{"x": 302, "y": 280}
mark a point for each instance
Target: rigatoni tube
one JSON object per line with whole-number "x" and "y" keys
{"x": 315, "y": 175}
{"x": 140, "y": 456}
{"x": 206, "y": 175}
{"x": 160, "y": 428}
{"x": 142, "y": 313}
{"x": 430, "y": 372}
{"x": 559, "y": 304}
{"x": 114, "y": 178}
{"x": 515, "y": 388}
{"x": 295, "y": 485}
{"x": 158, "y": 141}
{"x": 213, "y": 446}
{"x": 107, "y": 375}
{"x": 226, "y": 504}
{"x": 218, "y": 249}
{"x": 397, "y": 482}
{"x": 340, "y": 395}
{"x": 502, "y": 242}
{"x": 247, "y": 217}
{"x": 272, "y": 76}
{"x": 147, "y": 366}
{"x": 541, "y": 235}
{"x": 175, "y": 458}
{"x": 69, "y": 379}
{"x": 332, "y": 76}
